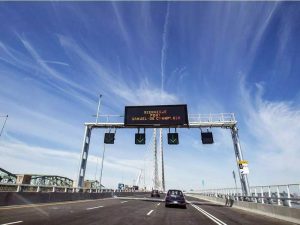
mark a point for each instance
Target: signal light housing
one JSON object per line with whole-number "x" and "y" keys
{"x": 109, "y": 138}
{"x": 207, "y": 137}
{"x": 140, "y": 139}
{"x": 173, "y": 139}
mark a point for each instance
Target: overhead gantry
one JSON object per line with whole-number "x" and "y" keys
{"x": 198, "y": 121}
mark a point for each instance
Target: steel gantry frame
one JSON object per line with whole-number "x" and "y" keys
{"x": 199, "y": 121}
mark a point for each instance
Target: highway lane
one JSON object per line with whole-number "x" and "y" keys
{"x": 123, "y": 211}
{"x": 233, "y": 216}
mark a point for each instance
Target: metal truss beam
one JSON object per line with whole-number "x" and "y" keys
{"x": 49, "y": 180}
{"x": 7, "y": 177}
{"x": 223, "y": 120}
{"x": 191, "y": 125}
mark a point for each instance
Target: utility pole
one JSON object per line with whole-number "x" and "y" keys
{"x": 98, "y": 108}
{"x": 102, "y": 161}
{"x": 103, "y": 153}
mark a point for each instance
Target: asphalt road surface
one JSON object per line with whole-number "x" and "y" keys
{"x": 140, "y": 210}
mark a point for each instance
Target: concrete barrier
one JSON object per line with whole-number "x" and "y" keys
{"x": 21, "y": 198}
{"x": 275, "y": 211}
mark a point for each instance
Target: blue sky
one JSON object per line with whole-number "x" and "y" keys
{"x": 240, "y": 57}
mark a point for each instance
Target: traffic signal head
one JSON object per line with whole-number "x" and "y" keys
{"x": 173, "y": 139}
{"x": 140, "y": 139}
{"x": 109, "y": 138}
{"x": 207, "y": 138}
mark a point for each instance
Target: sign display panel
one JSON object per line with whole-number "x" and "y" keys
{"x": 140, "y": 139}
{"x": 173, "y": 139}
{"x": 164, "y": 115}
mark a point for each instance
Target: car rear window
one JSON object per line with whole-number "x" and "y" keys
{"x": 175, "y": 192}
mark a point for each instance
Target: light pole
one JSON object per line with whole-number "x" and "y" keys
{"x": 98, "y": 109}
{"x": 102, "y": 161}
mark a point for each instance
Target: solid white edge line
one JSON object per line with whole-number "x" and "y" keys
{"x": 149, "y": 212}
{"x": 220, "y": 221}
{"x": 95, "y": 207}
{"x": 207, "y": 215}
{"x": 12, "y": 223}
{"x": 210, "y": 216}
{"x": 213, "y": 218}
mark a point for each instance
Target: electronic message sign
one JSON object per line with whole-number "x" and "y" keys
{"x": 156, "y": 115}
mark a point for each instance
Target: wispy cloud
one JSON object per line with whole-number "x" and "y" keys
{"x": 56, "y": 62}
{"x": 128, "y": 92}
{"x": 164, "y": 48}
{"x": 121, "y": 24}
{"x": 273, "y": 126}
{"x": 50, "y": 71}
{"x": 58, "y": 161}
{"x": 34, "y": 66}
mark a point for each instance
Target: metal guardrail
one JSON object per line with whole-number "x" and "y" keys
{"x": 285, "y": 195}
{"x": 40, "y": 188}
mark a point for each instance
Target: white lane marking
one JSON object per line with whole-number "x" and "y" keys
{"x": 49, "y": 204}
{"x": 123, "y": 202}
{"x": 149, "y": 212}
{"x": 213, "y": 218}
{"x": 12, "y": 223}
{"x": 95, "y": 207}
{"x": 158, "y": 204}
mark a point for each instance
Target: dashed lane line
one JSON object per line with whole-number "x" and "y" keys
{"x": 158, "y": 204}
{"x": 213, "y": 218}
{"x": 12, "y": 223}
{"x": 50, "y": 204}
{"x": 124, "y": 202}
{"x": 148, "y": 214}
{"x": 101, "y": 206}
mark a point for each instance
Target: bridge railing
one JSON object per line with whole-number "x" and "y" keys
{"x": 39, "y": 188}
{"x": 285, "y": 195}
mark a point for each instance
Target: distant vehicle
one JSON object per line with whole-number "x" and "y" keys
{"x": 155, "y": 193}
{"x": 175, "y": 198}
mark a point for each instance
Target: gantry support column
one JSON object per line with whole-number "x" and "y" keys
{"x": 84, "y": 156}
{"x": 239, "y": 157}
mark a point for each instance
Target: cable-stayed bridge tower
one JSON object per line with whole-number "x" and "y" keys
{"x": 161, "y": 148}
{"x": 156, "y": 183}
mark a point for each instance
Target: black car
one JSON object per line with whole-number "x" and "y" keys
{"x": 155, "y": 193}
{"x": 175, "y": 198}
